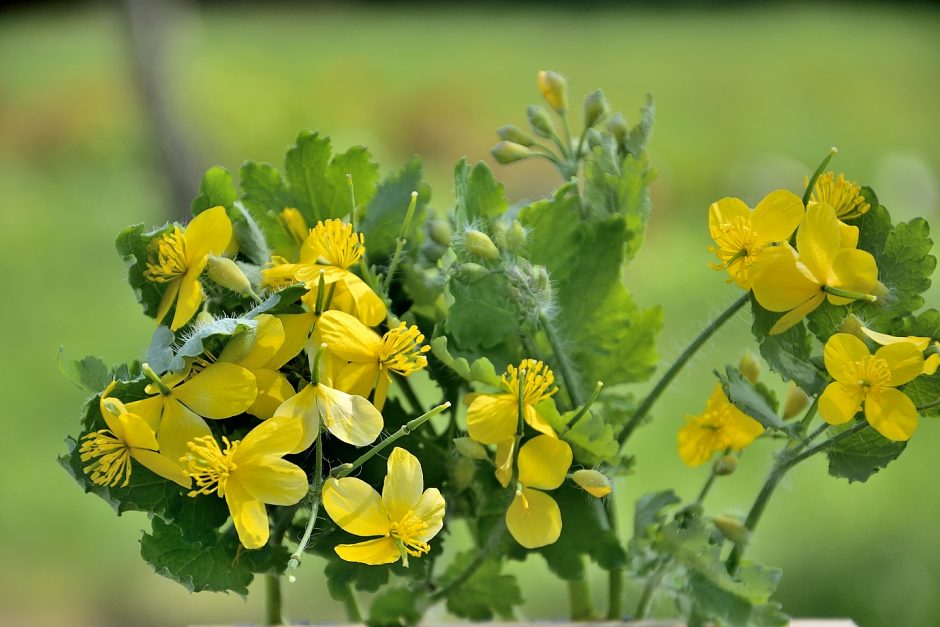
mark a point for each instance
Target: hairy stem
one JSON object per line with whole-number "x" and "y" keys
{"x": 649, "y": 590}
{"x": 563, "y": 363}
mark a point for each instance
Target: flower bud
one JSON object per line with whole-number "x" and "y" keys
{"x": 750, "y": 367}
{"x": 726, "y": 465}
{"x": 238, "y": 346}
{"x": 513, "y": 133}
{"x": 853, "y": 326}
{"x": 880, "y": 291}
{"x": 463, "y": 471}
{"x": 440, "y": 232}
{"x": 618, "y": 127}
{"x": 515, "y": 237}
{"x": 593, "y": 138}
{"x": 592, "y": 482}
{"x": 540, "y": 122}
{"x": 479, "y": 243}
{"x": 554, "y": 89}
{"x": 469, "y": 447}
{"x": 507, "y": 152}
{"x": 595, "y": 108}
{"x": 226, "y": 273}
{"x": 471, "y": 273}
{"x": 732, "y": 529}
{"x": 203, "y": 318}
{"x": 796, "y": 402}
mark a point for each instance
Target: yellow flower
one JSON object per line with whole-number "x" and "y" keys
{"x": 533, "y": 517}
{"x": 931, "y": 363}
{"x": 176, "y": 411}
{"x": 741, "y": 235}
{"x": 721, "y": 426}
{"x": 405, "y": 516}
{"x": 249, "y": 474}
{"x": 331, "y": 247}
{"x": 842, "y": 195}
{"x": 127, "y": 437}
{"x": 178, "y": 259}
{"x": 276, "y": 341}
{"x": 352, "y": 419}
{"x": 493, "y": 418}
{"x": 362, "y": 359}
{"x": 870, "y": 380}
{"x": 799, "y": 283}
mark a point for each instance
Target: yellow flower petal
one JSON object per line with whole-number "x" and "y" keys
{"x": 538, "y": 422}
{"x": 178, "y": 427}
{"x": 777, "y": 216}
{"x": 162, "y": 466}
{"x": 355, "y": 378}
{"x": 544, "y": 462}
{"x": 840, "y": 354}
{"x": 149, "y": 409}
{"x": 742, "y": 429}
{"x": 905, "y": 361}
{"x": 818, "y": 239}
{"x": 355, "y": 507}
{"x": 369, "y": 307}
{"x": 190, "y": 295}
{"x": 404, "y": 484}
{"x": 786, "y": 321}
{"x": 430, "y": 508}
{"x": 892, "y": 413}
{"x": 296, "y": 332}
{"x": 503, "y": 460}
{"x": 884, "y": 339}
{"x": 274, "y": 437}
{"x": 209, "y": 233}
{"x": 272, "y": 480}
{"x": 848, "y": 235}
{"x": 268, "y": 339}
{"x": 346, "y": 337}
{"x": 273, "y": 390}
{"x": 372, "y": 552}
{"x": 221, "y": 390}
{"x": 492, "y": 418}
{"x": 726, "y": 211}
{"x": 780, "y": 283}
{"x": 135, "y": 432}
{"x": 302, "y": 407}
{"x": 852, "y": 270}
{"x": 248, "y": 514}
{"x": 534, "y": 519}
{"x": 840, "y": 402}
{"x": 168, "y": 298}
{"x": 931, "y": 364}
{"x": 352, "y": 419}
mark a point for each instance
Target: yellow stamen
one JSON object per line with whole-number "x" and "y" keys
{"x": 870, "y": 372}
{"x": 113, "y": 458}
{"x": 737, "y": 243}
{"x": 208, "y": 465}
{"x": 406, "y": 533}
{"x": 167, "y": 258}
{"x": 403, "y": 350}
{"x": 537, "y": 381}
{"x": 337, "y": 243}
{"x": 841, "y": 194}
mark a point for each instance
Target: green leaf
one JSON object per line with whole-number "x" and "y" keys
{"x": 480, "y": 315}
{"x": 650, "y": 510}
{"x": 787, "y": 354}
{"x": 479, "y": 195}
{"x": 862, "y": 454}
{"x": 394, "y": 606}
{"x": 385, "y": 214}
{"x": 481, "y": 370}
{"x": 745, "y": 396}
{"x": 216, "y": 188}
{"x": 194, "y": 344}
{"x": 265, "y": 195}
{"x": 132, "y": 244}
{"x": 251, "y": 239}
{"x": 341, "y": 574}
{"x": 485, "y": 593}
{"x": 592, "y": 440}
{"x": 88, "y": 373}
{"x": 640, "y": 133}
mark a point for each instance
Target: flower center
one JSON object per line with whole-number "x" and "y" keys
{"x": 870, "y": 372}
{"x": 336, "y": 244}
{"x": 168, "y": 258}
{"x": 208, "y": 465}
{"x": 406, "y": 533}
{"x": 536, "y": 381}
{"x": 403, "y": 350}
{"x": 112, "y": 458}
{"x": 278, "y": 274}
{"x": 737, "y": 241}
{"x": 842, "y": 195}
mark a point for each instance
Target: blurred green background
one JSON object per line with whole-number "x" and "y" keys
{"x": 748, "y": 100}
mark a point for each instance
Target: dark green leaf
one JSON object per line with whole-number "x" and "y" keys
{"x": 650, "y": 510}
{"x": 745, "y": 397}
{"x": 479, "y": 195}
{"x": 862, "y": 454}
{"x": 787, "y": 354}
{"x": 394, "y": 606}
{"x": 341, "y": 574}
{"x": 88, "y": 373}
{"x": 265, "y": 195}
{"x": 216, "y": 188}
{"x": 485, "y": 593}
{"x": 385, "y": 214}
{"x": 132, "y": 244}
{"x": 592, "y": 440}
{"x": 480, "y": 315}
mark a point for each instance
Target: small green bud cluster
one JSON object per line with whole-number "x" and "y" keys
{"x": 530, "y": 290}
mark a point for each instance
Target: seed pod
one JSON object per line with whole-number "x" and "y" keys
{"x": 750, "y": 367}
{"x": 479, "y": 243}
{"x": 595, "y": 108}
{"x": 226, "y": 273}
{"x": 507, "y": 152}
{"x": 540, "y": 122}
{"x": 513, "y": 133}
{"x": 469, "y": 447}
{"x": 554, "y": 89}
{"x": 440, "y": 232}
{"x": 796, "y": 402}
{"x": 726, "y": 465}
{"x": 592, "y": 482}
{"x": 732, "y": 529}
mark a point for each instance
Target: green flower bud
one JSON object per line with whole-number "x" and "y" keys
{"x": 593, "y": 138}
{"x": 595, "y": 108}
{"x": 471, "y": 273}
{"x": 732, "y": 529}
{"x": 592, "y": 482}
{"x": 507, "y": 152}
{"x": 513, "y": 133}
{"x": 618, "y": 126}
{"x": 463, "y": 471}
{"x": 797, "y": 401}
{"x": 750, "y": 367}
{"x": 554, "y": 89}
{"x": 204, "y": 318}
{"x": 226, "y": 273}
{"x": 726, "y": 465}
{"x": 238, "y": 346}
{"x": 540, "y": 122}
{"x": 515, "y": 237}
{"x": 469, "y": 447}
{"x": 479, "y": 243}
{"x": 440, "y": 232}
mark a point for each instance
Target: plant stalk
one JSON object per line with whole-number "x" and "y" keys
{"x": 579, "y": 598}
{"x": 649, "y": 590}
{"x": 351, "y": 605}
{"x": 565, "y": 367}
{"x": 614, "y": 576}
{"x": 272, "y": 598}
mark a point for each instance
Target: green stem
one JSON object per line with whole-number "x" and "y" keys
{"x": 351, "y": 605}
{"x": 272, "y": 606}
{"x": 808, "y": 417}
{"x": 492, "y": 541}
{"x": 676, "y": 367}
{"x": 153, "y": 376}
{"x": 835, "y": 291}
{"x": 565, "y": 367}
{"x": 579, "y": 598}
{"x": 649, "y": 590}
{"x": 587, "y": 405}
{"x": 819, "y": 170}
{"x": 345, "y": 469}
{"x": 400, "y": 242}
{"x": 706, "y": 488}
{"x": 614, "y": 576}
{"x": 929, "y": 405}
{"x": 297, "y": 555}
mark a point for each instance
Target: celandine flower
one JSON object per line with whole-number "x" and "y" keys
{"x": 870, "y": 380}
{"x": 493, "y": 418}
{"x": 931, "y": 363}
{"x": 127, "y": 437}
{"x": 405, "y": 516}
{"x": 178, "y": 259}
{"x": 249, "y": 474}
{"x": 721, "y": 426}
{"x": 363, "y": 359}
{"x": 841, "y": 194}
{"x": 741, "y": 235}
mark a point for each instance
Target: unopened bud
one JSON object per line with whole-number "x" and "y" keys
{"x": 515, "y": 237}
{"x": 226, "y": 273}
{"x": 750, "y": 367}
{"x": 554, "y": 89}
{"x": 593, "y": 138}
{"x": 592, "y": 482}
{"x": 540, "y": 122}
{"x": 726, "y": 465}
{"x": 797, "y": 401}
{"x": 513, "y": 133}
{"x": 880, "y": 291}
{"x": 618, "y": 126}
{"x": 508, "y": 152}
{"x": 440, "y": 232}
{"x": 469, "y": 447}
{"x": 203, "y": 318}
{"x": 595, "y": 108}
{"x": 471, "y": 273}
{"x": 463, "y": 471}
{"x": 732, "y": 529}
{"x": 238, "y": 346}
{"x": 479, "y": 243}
{"x": 853, "y": 326}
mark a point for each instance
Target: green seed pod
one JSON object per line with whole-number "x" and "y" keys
{"x": 479, "y": 243}
{"x": 540, "y": 122}
{"x": 469, "y": 447}
{"x": 513, "y": 133}
{"x": 618, "y": 126}
{"x": 226, "y": 273}
{"x": 595, "y": 108}
{"x": 507, "y": 152}
{"x": 726, "y": 465}
{"x": 732, "y": 529}
{"x": 750, "y": 367}
{"x": 440, "y": 232}
{"x": 797, "y": 401}
{"x": 592, "y": 482}
{"x": 515, "y": 237}
{"x": 554, "y": 89}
